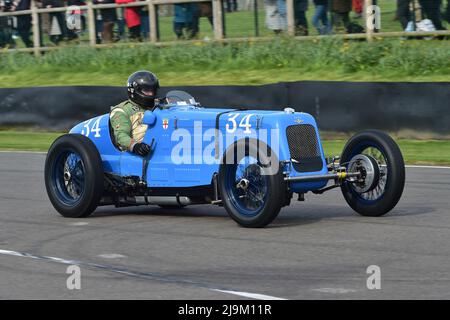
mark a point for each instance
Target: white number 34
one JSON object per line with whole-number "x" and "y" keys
{"x": 87, "y": 129}
{"x": 231, "y": 126}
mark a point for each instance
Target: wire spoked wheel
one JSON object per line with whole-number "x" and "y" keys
{"x": 74, "y": 176}
{"x": 248, "y": 186}
{"x": 251, "y": 188}
{"x": 69, "y": 177}
{"x": 380, "y": 186}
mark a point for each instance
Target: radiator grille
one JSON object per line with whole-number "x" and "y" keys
{"x": 304, "y": 148}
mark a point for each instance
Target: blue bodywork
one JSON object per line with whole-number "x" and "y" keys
{"x": 169, "y": 128}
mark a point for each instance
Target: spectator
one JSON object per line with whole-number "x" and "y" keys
{"x": 186, "y": 20}
{"x": 6, "y": 30}
{"x": 358, "y": 6}
{"x": 133, "y": 20}
{"x": 79, "y": 3}
{"x": 109, "y": 17}
{"x": 145, "y": 22}
{"x": 57, "y": 24}
{"x": 73, "y": 33}
{"x": 231, "y": 5}
{"x": 276, "y": 19}
{"x": 120, "y": 12}
{"x": 340, "y": 14}
{"x": 431, "y": 9}
{"x": 23, "y": 21}
{"x": 98, "y": 26}
{"x": 206, "y": 10}
{"x": 447, "y": 12}
{"x": 301, "y": 23}
{"x": 403, "y": 12}
{"x": 320, "y": 18}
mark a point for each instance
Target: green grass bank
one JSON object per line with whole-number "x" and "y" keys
{"x": 432, "y": 152}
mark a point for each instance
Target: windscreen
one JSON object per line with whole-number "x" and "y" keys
{"x": 177, "y": 97}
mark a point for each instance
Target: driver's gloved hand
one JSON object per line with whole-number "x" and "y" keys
{"x": 141, "y": 149}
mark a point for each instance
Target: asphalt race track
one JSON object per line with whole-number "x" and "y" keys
{"x": 318, "y": 249}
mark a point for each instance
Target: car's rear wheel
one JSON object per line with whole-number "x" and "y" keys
{"x": 74, "y": 176}
{"x": 383, "y": 187}
{"x": 251, "y": 192}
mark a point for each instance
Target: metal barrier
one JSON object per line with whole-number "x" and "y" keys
{"x": 218, "y": 23}
{"x": 337, "y": 106}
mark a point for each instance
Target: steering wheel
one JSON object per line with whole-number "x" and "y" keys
{"x": 160, "y": 104}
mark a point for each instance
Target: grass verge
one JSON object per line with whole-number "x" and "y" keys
{"x": 431, "y": 152}
{"x": 236, "y": 63}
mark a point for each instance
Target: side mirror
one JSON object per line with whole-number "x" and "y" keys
{"x": 149, "y": 118}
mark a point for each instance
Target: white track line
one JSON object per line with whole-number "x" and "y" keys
{"x": 335, "y": 290}
{"x": 427, "y": 167}
{"x": 111, "y": 256}
{"x": 19, "y": 151}
{"x": 150, "y": 276}
{"x": 78, "y": 224}
{"x": 256, "y": 296}
{"x": 27, "y": 255}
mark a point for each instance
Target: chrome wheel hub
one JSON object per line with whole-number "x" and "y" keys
{"x": 370, "y": 172}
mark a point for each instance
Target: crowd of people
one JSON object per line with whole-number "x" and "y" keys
{"x": 110, "y": 24}
{"x": 330, "y": 16}
{"x": 333, "y": 16}
{"x": 58, "y": 25}
{"x": 429, "y": 9}
{"x": 21, "y": 26}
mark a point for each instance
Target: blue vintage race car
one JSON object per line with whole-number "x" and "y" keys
{"x": 249, "y": 161}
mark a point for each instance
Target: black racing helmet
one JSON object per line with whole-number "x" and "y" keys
{"x": 142, "y": 88}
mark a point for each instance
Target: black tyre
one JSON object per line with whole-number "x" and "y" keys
{"x": 74, "y": 176}
{"x": 387, "y": 186}
{"x": 251, "y": 195}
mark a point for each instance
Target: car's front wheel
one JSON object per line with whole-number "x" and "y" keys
{"x": 381, "y": 161}
{"x": 74, "y": 176}
{"x": 251, "y": 186}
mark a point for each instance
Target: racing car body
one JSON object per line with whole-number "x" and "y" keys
{"x": 250, "y": 161}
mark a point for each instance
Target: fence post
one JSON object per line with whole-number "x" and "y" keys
{"x": 36, "y": 34}
{"x": 368, "y": 15}
{"x": 255, "y": 12}
{"x": 218, "y": 19}
{"x": 153, "y": 22}
{"x": 91, "y": 24}
{"x": 290, "y": 17}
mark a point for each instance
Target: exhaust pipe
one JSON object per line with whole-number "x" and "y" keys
{"x": 158, "y": 200}
{"x": 149, "y": 200}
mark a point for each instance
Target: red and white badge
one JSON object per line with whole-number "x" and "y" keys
{"x": 165, "y": 124}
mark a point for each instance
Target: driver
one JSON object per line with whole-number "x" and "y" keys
{"x": 126, "y": 117}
